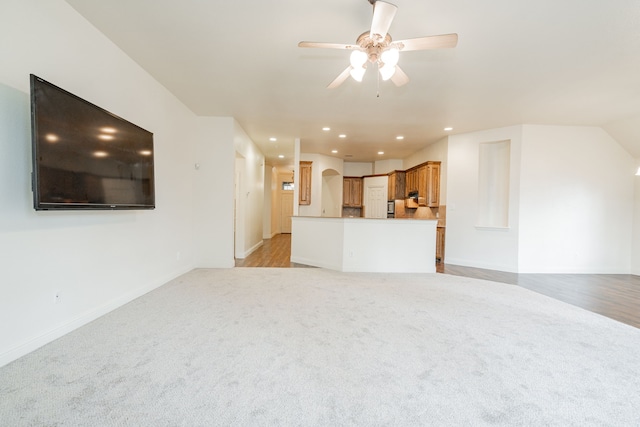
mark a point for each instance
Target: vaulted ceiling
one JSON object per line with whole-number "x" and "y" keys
{"x": 569, "y": 62}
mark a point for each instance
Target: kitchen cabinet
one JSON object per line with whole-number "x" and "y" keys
{"x": 304, "y": 193}
{"x": 396, "y": 185}
{"x": 352, "y": 192}
{"x": 424, "y": 179}
{"x": 440, "y": 232}
{"x": 411, "y": 181}
{"x": 432, "y": 187}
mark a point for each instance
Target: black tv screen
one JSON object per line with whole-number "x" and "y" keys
{"x": 85, "y": 157}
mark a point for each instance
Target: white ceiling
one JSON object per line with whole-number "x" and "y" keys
{"x": 568, "y": 62}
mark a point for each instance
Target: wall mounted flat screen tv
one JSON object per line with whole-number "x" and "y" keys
{"x": 85, "y": 157}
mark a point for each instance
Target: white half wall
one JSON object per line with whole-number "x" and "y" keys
{"x": 577, "y": 201}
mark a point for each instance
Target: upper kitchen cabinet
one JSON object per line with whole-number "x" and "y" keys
{"x": 433, "y": 184}
{"x": 425, "y": 180}
{"x": 352, "y": 192}
{"x": 305, "y": 183}
{"x": 396, "y": 185}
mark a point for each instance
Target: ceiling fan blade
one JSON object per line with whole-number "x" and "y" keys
{"x": 327, "y": 45}
{"x": 429, "y": 42}
{"x": 341, "y": 78}
{"x": 383, "y": 14}
{"x": 399, "y": 78}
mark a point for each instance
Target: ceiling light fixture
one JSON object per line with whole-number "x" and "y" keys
{"x": 381, "y": 152}
{"x": 399, "y": 137}
{"x": 326, "y": 129}
{"x": 342, "y": 135}
{"x": 334, "y": 151}
{"x": 448, "y": 129}
{"x": 389, "y": 60}
{"x": 281, "y": 156}
{"x": 273, "y": 139}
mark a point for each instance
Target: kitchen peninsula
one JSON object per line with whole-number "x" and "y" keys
{"x": 364, "y": 244}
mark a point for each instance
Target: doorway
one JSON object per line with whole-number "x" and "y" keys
{"x": 286, "y": 211}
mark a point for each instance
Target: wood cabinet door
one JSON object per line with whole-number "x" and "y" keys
{"x": 422, "y": 185}
{"x": 433, "y": 185}
{"x": 304, "y": 194}
{"x": 352, "y": 192}
{"x": 440, "y": 232}
{"x": 346, "y": 192}
{"x": 411, "y": 181}
{"x": 356, "y": 192}
{"x": 392, "y": 186}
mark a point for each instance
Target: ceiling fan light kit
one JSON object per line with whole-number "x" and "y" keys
{"x": 375, "y": 46}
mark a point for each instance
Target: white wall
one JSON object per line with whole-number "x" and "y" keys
{"x": 97, "y": 260}
{"x": 250, "y": 205}
{"x": 331, "y": 193}
{"x": 357, "y": 169}
{"x": 386, "y": 166}
{"x": 571, "y": 202}
{"x": 213, "y": 165}
{"x": 468, "y": 245}
{"x": 576, "y": 212}
{"x": 319, "y": 165}
{"x": 635, "y": 258}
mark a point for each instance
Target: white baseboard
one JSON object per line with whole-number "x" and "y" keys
{"x": 60, "y": 330}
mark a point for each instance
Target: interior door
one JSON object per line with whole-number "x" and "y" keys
{"x": 286, "y": 211}
{"x": 376, "y": 202}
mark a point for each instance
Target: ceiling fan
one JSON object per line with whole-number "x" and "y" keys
{"x": 376, "y": 47}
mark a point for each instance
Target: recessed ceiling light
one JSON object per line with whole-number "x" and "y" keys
{"x": 281, "y": 156}
{"x": 145, "y": 152}
{"x": 51, "y": 137}
{"x": 106, "y": 137}
{"x": 326, "y": 129}
{"x": 448, "y": 129}
{"x": 399, "y": 137}
{"x": 273, "y": 139}
{"x": 108, "y": 130}
{"x": 100, "y": 154}
{"x": 334, "y": 151}
{"x": 342, "y": 135}
{"x": 381, "y": 152}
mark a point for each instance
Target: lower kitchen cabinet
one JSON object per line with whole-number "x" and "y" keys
{"x": 440, "y": 232}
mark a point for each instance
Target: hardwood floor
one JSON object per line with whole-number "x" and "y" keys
{"x": 613, "y": 295}
{"x": 274, "y": 252}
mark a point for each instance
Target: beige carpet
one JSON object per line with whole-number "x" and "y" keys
{"x": 311, "y": 347}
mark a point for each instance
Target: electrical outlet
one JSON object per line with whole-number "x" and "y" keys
{"x": 57, "y": 298}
